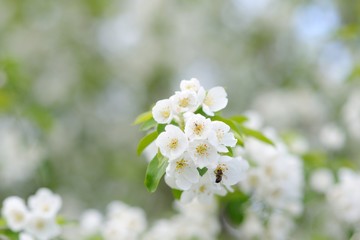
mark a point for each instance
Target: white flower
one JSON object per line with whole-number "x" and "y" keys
{"x": 203, "y": 153}
{"x": 332, "y": 137}
{"x": 230, "y": 170}
{"x": 42, "y": 227}
{"x": 90, "y": 222}
{"x": 344, "y": 197}
{"x": 221, "y": 137}
{"x": 15, "y": 213}
{"x": 192, "y": 85}
{"x": 215, "y": 100}
{"x": 197, "y": 127}
{"x": 172, "y": 143}
{"x": 45, "y": 202}
{"x": 204, "y": 190}
{"x": 163, "y": 111}
{"x": 321, "y": 180}
{"x": 185, "y": 101}
{"x": 124, "y": 222}
{"x": 181, "y": 173}
{"x": 25, "y": 236}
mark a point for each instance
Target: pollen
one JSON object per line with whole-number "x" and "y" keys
{"x": 174, "y": 143}
{"x": 202, "y": 149}
{"x": 202, "y": 189}
{"x": 184, "y": 102}
{"x": 19, "y": 217}
{"x": 181, "y": 164}
{"x": 198, "y": 128}
{"x": 165, "y": 113}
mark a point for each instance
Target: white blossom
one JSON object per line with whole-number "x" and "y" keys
{"x": 204, "y": 190}
{"x": 181, "y": 173}
{"x": 215, "y": 100}
{"x": 231, "y": 170}
{"x": 172, "y": 143}
{"x": 163, "y": 111}
{"x": 203, "y": 153}
{"x": 25, "y": 236}
{"x": 90, "y": 222}
{"x": 197, "y": 127}
{"x": 332, "y": 137}
{"x": 15, "y": 213}
{"x": 190, "y": 85}
{"x": 344, "y": 197}
{"x": 45, "y": 202}
{"x": 321, "y": 180}
{"x": 42, "y": 227}
{"x": 123, "y": 222}
{"x": 185, "y": 101}
{"x": 221, "y": 137}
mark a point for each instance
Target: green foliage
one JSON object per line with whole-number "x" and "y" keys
{"x": 235, "y": 205}
{"x": 256, "y": 134}
{"x": 177, "y": 194}
{"x": 202, "y": 171}
{"x": 155, "y": 171}
{"x": 146, "y": 141}
{"x": 142, "y": 118}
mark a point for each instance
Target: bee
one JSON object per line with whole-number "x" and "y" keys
{"x": 219, "y": 175}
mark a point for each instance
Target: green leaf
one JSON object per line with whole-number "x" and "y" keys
{"x": 177, "y": 194}
{"x": 256, "y": 134}
{"x": 149, "y": 124}
{"x": 146, "y": 141}
{"x": 202, "y": 171}
{"x": 239, "y": 119}
{"x": 160, "y": 128}
{"x": 155, "y": 171}
{"x": 143, "y": 118}
{"x": 235, "y": 205}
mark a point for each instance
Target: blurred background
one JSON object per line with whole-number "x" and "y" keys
{"x": 74, "y": 75}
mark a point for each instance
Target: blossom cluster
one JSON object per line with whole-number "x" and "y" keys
{"x": 35, "y": 220}
{"x": 121, "y": 222}
{"x": 193, "y": 141}
{"x": 344, "y": 197}
{"x": 194, "y": 221}
{"x": 274, "y": 182}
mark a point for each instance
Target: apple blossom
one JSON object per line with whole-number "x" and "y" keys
{"x": 221, "y": 137}
{"x": 163, "y": 111}
{"x": 181, "y": 173}
{"x": 172, "y": 143}
{"x": 215, "y": 100}
{"x": 15, "y": 213}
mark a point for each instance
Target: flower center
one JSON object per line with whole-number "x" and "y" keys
{"x": 198, "y": 128}
{"x": 174, "y": 143}
{"x": 184, "y": 102}
{"x": 19, "y": 217}
{"x": 165, "y": 113}
{"x": 181, "y": 164}
{"x": 40, "y": 224}
{"x": 202, "y": 188}
{"x": 202, "y": 149}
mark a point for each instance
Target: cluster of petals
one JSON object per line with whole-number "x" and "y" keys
{"x": 194, "y": 221}
{"x": 121, "y": 222}
{"x": 344, "y": 197}
{"x": 192, "y": 141}
{"x": 37, "y": 219}
{"x": 276, "y": 176}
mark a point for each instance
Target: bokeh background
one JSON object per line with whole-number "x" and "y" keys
{"x": 74, "y": 75}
